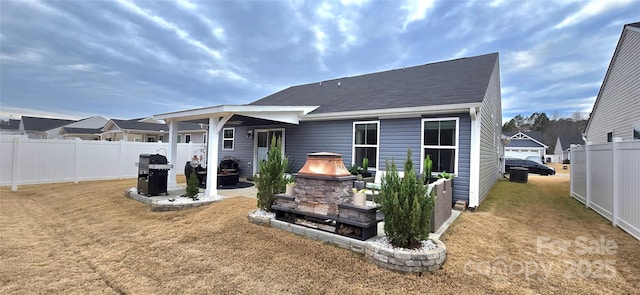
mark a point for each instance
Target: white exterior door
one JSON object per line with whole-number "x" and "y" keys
{"x": 263, "y": 140}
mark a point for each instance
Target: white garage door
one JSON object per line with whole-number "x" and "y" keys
{"x": 520, "y": 154}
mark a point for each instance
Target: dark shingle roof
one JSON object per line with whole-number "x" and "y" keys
{"x": 569, "y": 139}
{"x": 456, "y": 81}
{"x": 637, "y": 25}
{"x": 135, "y": 125}
{"x": 43, "y": 124}
{"x": 10, "y": 124}
{"x": 143, "y": 126}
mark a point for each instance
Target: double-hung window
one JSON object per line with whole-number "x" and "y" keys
{"x": 228, "y": 135}
{"x": 365, "y": 142}
{"x": 440, "y": 142}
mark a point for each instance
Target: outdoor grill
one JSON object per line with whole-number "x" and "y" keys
{"x": 152, "y": 174}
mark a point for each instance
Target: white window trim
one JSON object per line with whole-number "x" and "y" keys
{"x": 179, "y": 138}
{"x": 633, "y": 128}
{"x": 233, "y": 139}
{"x": 456, "y": 148}
{"x": 354, "y": 145}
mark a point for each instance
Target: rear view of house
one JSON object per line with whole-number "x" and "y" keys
{"x": 449, "y": 110}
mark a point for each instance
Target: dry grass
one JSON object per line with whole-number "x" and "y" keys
{"x": 89, "y": 239}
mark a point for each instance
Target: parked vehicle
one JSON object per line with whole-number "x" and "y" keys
{"x": 533, "y": 167}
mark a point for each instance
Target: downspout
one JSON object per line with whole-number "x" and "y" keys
{"x": 474, "y": 163}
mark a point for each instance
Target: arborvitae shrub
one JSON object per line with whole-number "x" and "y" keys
{"x": 193, "y": 185}
{"x": 407, "y": 208}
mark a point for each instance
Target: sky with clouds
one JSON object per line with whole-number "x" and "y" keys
{"x": 128, "y": 59}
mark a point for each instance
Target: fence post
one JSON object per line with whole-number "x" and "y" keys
{"x": 587, "y": 198}
{"x": 616, "y": 180}
{"x": 76, "y": 169}
{"x": 15, "y": 176}
{"x": 571, "y": 174}
{"x": 121, "y": 157}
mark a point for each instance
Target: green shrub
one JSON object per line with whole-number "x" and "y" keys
{"x": 270, "y": 179}
{"x": 407, "y": 208}
{"x": 192, "y": 185}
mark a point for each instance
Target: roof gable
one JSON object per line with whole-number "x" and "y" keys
{"x": 458, "y": 81}
{"x": 517, "y": 138}
{"x": 628, "y": 27}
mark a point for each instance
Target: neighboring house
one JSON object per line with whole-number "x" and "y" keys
{"x": 10, "y": 127}
{"x": 141, "y": 130}
{"x": 563, "y": 144}
{"x": 88, "y": 128}
{"x": 449, "y": 110}
{"x": 38, "y": 128}
{"x": 616, "y": 112}
{"x": 525, "y": 144}
{"x": 81, "y": 133}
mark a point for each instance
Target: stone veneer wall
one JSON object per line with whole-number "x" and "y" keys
{"x": 322, "y": 196}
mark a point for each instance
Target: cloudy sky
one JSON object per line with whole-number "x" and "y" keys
{"x": 127, "y": 59}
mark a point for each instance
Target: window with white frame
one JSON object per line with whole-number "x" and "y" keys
{"x": 228, "y": 135}
{"x": 440, "y": 142}
{"x": 636, "y": 132}
{"x": 179, "y": 138}
{"x": 365, "y": 142}
{"x": 187, "y": 138}
{"x": 204, "y": 138}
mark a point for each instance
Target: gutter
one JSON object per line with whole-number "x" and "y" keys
{"x": 393, "y": 113}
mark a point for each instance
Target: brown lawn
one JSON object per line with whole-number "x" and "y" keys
{"x": 89, "y": 239}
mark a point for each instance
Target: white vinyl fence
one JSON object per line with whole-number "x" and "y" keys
{"x": 606, "y": 178}
{"x": 30, "y": 161}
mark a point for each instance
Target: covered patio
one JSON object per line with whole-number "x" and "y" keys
{"x": 216, "y": 117}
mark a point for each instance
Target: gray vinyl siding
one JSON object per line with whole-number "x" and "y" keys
{"x": 617, "y": 108}
{"x": 491, "y": 129}
{"x": 396, "y": 135}
{"x": 312, "y": 137}
{"x": 242, "y": 149}
{"x": 308, "y": 137}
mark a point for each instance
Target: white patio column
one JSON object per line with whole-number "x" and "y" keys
{"x": 213, "y": 141}
{"x": 173, "y": 153}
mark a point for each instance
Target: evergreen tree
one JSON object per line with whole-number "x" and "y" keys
{"x": 193, "y": 185}
{"x": 406, "y": 206}
{"x": 270, "y": 180}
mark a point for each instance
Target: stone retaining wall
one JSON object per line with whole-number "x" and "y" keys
{"x": 407, "y": 261}
{"x": 400, "y": 260}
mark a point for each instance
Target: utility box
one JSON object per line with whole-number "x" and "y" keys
{"x": 519, "y": 174}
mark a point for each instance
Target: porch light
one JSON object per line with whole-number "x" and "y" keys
{"x": 250, "y": 134}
